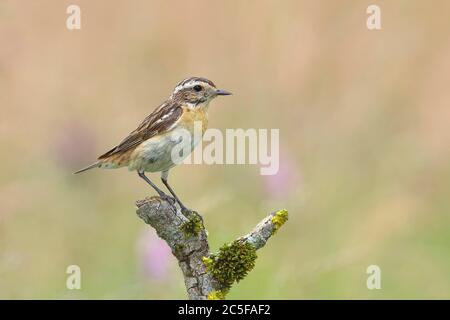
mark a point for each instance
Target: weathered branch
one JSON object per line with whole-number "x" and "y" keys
{"x": 206, "y": 275}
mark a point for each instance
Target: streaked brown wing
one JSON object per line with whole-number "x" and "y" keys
{"x": 156, "y": 123}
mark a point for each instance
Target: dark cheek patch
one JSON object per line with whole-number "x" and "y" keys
{"x": 193, "y": 97}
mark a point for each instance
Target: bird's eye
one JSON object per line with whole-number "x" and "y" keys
{"x": 198, "y": 88}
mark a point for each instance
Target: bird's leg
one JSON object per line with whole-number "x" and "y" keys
{"x": 161, "y": 194}
{"x": 164, "y": 176}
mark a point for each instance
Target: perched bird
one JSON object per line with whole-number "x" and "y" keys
{"x": 149, "y": 147}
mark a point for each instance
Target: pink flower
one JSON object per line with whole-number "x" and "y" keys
{"x": 154, "y": 256}
{"x": 284, "y": 182}
{"x": 73, "y": 145}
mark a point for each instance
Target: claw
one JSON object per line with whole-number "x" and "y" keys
{"x": 185, "y": 211}
{"x": 167, "y": 198}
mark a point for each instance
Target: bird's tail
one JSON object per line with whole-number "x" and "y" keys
{"x": 94, "y": 165}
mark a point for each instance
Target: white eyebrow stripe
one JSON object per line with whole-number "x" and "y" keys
{"x": 188, "y": 84}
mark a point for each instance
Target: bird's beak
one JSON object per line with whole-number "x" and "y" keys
{"x": 221, "y": 92}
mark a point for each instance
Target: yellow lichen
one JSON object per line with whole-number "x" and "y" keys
{"x": 279, "y": 219}
{"x": 207, "y": 261}
{"x": 216, "y": 295}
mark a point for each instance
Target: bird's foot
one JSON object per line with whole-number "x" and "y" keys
{"x": 188, "y": 213}
{"x": 167, "y": 198}
{"x": 185, "y": 211}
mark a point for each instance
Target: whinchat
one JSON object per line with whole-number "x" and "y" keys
{"x": 149, "y": 147}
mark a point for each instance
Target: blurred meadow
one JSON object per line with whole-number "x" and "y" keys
{"x": 364, "y": 120}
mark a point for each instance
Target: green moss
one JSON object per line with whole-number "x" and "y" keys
{"x": 216, "y": 295}
{"x": 279, "y": 219}
{"x": 232, "y": 262}
{"x": 193, "y": 226}
{"x": 178, "y": 250}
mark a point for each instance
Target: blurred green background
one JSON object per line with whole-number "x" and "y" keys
{"x": 364, "y": 141}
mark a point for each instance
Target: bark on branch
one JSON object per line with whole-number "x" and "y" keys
{"x": 206, "y": 275}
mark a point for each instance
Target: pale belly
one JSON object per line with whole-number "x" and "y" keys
{"x": 163, "y": 152}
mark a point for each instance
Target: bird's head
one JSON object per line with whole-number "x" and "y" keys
{"x": 197, "y": 92}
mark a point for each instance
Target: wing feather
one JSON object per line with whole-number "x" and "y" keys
{"x": 159, "y": 121}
